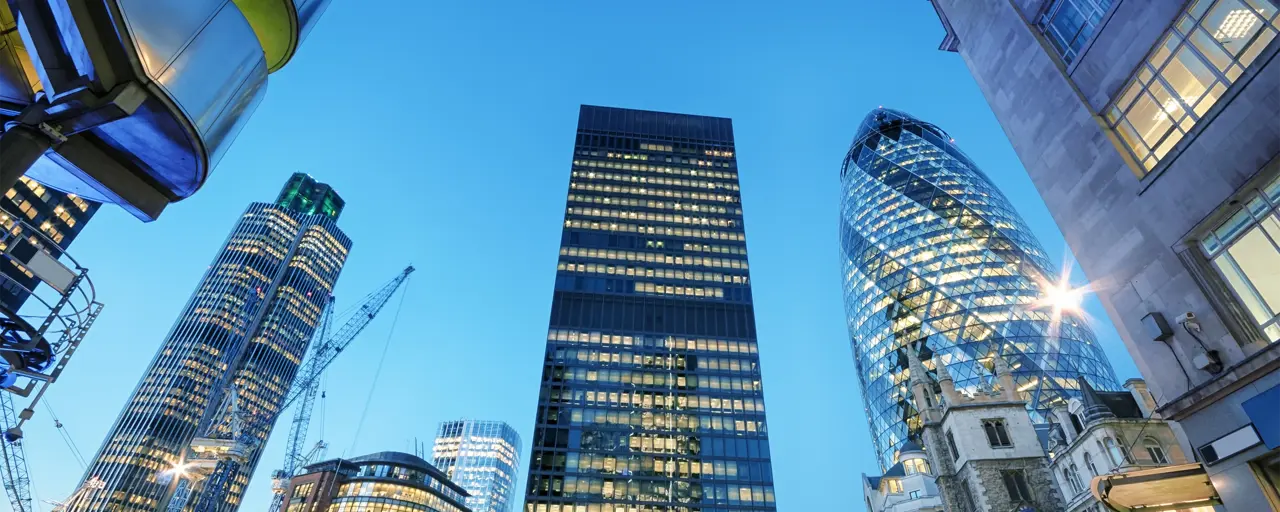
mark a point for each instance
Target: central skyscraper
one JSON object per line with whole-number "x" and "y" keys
{"x": 651, "y": 397}
{"x": 248, "y": 325}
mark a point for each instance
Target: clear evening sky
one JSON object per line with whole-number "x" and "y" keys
{"x": 448, "y": 127}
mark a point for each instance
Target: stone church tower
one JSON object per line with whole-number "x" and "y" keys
{"x": 983, "y": 448}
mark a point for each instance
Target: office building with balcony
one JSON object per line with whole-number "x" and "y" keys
{"x": 248, "y": 323}
{"x": 651, "y": 396}
{"x": 390, "y": 481}
{"x": 1149, "y": 128}
{"x": 58, "y": 215}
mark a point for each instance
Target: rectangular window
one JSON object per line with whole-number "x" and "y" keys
{"x": 914, "y": 494}
{"x": 1245, "y": 250}
{"x": 1069, "y": 24}
{"x": 997, "y": 434}
{"x": 951, "y": 443}
{"x": 1208, "y": 47}
{"x": 1015, "y": 482}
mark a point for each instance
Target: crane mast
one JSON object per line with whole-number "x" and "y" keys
{"x": 307, "y": 384}
{"x": 228, "y": 448}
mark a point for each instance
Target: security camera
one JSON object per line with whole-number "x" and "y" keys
{"x": 1188, "y": 320}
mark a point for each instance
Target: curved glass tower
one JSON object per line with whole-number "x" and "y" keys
{"x": 935, "y": 256}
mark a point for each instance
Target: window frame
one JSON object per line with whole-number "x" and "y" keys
{"x": 1260, "y": 205}
{"x": 1018, "y": 479}
{"x": 1149, "y": 443}
{"x": 1148, "y": 78}
{"x": 997, "y": 432}
{"x": 1071, "y": 50}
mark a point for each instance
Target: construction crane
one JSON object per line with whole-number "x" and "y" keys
{"x": 36, "y": 346}
{"x": 228, "y": 444}
{"x": 307, "y": 384}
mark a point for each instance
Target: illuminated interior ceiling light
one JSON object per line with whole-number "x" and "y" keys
{"x": 1237, "y": 24}
{"x": 1166, "y": 111}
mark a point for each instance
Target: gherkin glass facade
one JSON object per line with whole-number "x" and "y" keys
{"x": 934, "y": 256}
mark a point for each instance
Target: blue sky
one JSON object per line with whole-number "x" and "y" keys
{"x": 448, "y": 128}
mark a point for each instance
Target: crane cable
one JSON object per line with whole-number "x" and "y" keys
{"x": 386, "y": 346}
{"x": 66, "y": 436}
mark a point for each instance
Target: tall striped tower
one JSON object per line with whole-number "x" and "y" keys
{"x": 248, "y": 325}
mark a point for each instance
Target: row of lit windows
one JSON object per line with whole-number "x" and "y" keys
{"x": 679, "y": 171}
{"x": 660, "y": 421}
{"x": 655, "y": 230}
{"x": 655, "y": 217}
{"x": 655, "y": 379}
{"x": 664, "y": 273}
{"x": 661, "y": 492}
{"x": 661, "y": 205}
{"x": 657, "y": 192}
{"x": 720, "y": 249}
{"x": 669, "y": 342}
{"x": 658, "y": 401}
{"x": 650, "y": 180}
{"x": 648, "y": 191}
{"x": 651, "y": 257}
{"x": 651, "y": 466}
{"x": 677, "y": 362}
{"x": 687, "y": 291}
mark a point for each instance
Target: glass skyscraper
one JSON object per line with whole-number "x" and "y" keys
{"x": 651, "y": 398}
{"x": 935, "y": 256}
{"x": 248, "y": 324}
{"x": 482, "y": 457}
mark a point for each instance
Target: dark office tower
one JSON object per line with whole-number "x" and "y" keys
{"x": 248, "y": 324}
{"x": 935, "y": 257}
{"x": 651, "y": 397}
{"x": 58, "y": 215}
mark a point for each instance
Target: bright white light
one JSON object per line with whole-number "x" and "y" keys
{"x": 178, "y": 470}
{"x": 1166, "y": 112}
{"x": 1237, "y": 24}
{"x": 1061, "y": 297}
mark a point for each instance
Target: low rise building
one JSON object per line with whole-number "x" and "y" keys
{"x": 378, "y": 481}
{"x": 1104, "y": 438}
{"x": 908, "y": 486}
{"x": 982, "y": 452}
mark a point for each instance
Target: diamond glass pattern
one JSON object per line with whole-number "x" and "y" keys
{"x": 934, "y": 255}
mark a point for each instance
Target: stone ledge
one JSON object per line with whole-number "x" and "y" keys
{"x": 1237, "y": 376}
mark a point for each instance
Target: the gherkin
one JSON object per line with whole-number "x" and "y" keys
{"x": 934, "y": 255}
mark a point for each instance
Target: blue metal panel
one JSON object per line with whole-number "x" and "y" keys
{"x": 1264, "y": 411}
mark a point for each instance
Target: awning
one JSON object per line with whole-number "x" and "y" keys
{"x": 1152, "y": 490}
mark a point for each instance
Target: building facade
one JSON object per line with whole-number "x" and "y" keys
{"x": 984, "y": 448}
{"x": 482, "y": 457}
{"x": 908, "y": 486}
{"x": 390, "y": 481}
{"x": 247, "y": 325}
{"x": 1104, "y": 439}
{"x": 58, "y": 215}
{"x": 933, "y": 252}
{"x": 651, "y": 397}
{"x": 1154, "y": 143}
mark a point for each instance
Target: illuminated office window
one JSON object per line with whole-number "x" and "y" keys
{"x": 1069, "y": 24}
{"x": 1208, "y": 47}
{"x": 1245, "y": 250}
